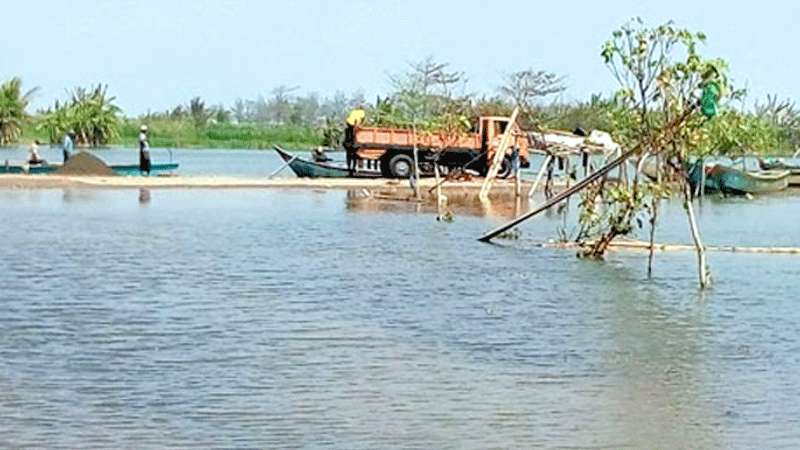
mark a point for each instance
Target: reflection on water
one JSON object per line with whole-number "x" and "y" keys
{"x": 144, "y": 196}
{"x": 274, "y": 319}
{"x": 362, "y": 201}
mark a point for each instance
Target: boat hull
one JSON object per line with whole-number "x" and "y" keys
{"x": 738, "y": 182}
{"x": 133, "y": 169}
{"x": 308, "y": 169}
{"x": 119, "y": 169}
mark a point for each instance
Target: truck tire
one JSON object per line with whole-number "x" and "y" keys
{"x": 505, "y": 168}
{"x": 401, "y": 166}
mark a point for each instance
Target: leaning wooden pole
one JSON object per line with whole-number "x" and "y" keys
{"x": 561, "y": 196}
{"x": 539, "y": 175}
{"x": 500, "y": 153}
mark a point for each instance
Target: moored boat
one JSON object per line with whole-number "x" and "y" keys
{"x": 309, "y": 169}
{"x": 119, "y": 169}
{"x": 133, "y": 169}
{"x": 719, "y": 178}
{"x": 794, "y": 170}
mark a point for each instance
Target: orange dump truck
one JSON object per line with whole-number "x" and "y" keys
{"x": 392, "y": 149}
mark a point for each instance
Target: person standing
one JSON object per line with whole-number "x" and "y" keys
{"x": 354, "y": 119}
{"x": 67, "y": 145}
{"x": 144, "y": 150}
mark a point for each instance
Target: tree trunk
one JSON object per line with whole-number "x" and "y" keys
{"x": 702, "y": 267}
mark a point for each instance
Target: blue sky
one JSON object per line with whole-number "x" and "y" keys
{"x": 157, "y": 53}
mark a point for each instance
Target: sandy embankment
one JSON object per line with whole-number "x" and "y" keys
{"x": 501, "y": 187}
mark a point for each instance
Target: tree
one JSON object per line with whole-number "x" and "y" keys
{"x": 199, "y": 112}
{"x": 526, "y": 87}
{"x": 784, "y": 115}
{"x": 13, "y": 106}
{"x": 659, "y": 71}
{"x": 278, "y": 107}
{"x": 91, "y": 113}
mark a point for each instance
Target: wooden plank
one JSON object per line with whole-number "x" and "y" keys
{"x": 561, "y": 196}
{"x": 539, "y": 176}
{"x": 500, "y": 153}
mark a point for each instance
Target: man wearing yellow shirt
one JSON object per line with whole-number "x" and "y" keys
{"x": 354, "y": 119}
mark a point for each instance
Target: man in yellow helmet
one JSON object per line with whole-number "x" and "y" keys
{"x": 354, "y": 119}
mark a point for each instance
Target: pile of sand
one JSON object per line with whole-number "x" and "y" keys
{"x": 85, "y": 164}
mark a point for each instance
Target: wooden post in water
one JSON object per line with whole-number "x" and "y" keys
{"x": 517, "y": 173}
{"x": 500, "y": 153}
{"x": 539, "y": 175}
{"x": 561, "y": 196}
{"x": 702, "y": 179}
{"x": 416, "y": 163}
{"x": 438, "y": 191}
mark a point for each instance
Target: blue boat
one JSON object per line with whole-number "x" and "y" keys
{"x": 119, "y": 169}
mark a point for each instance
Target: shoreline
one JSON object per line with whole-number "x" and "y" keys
{"x": 213, "y": 182}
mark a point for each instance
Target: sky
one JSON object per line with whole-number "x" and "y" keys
{"x": 155, "y": 54}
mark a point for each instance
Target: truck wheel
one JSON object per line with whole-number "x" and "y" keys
{"x": 401, "y": 166}
{"x": 505, "y": 169}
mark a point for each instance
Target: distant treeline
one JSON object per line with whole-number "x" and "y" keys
{"x": 429, "y": 95}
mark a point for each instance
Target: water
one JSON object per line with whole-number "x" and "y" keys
{"x": 287, "y": 319}
{"x": 193, "y": 162}
{"x": 240, "y": 163}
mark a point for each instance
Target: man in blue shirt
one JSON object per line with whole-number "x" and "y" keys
{"x": 68, "y": 145}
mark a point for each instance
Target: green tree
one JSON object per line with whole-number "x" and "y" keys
{"x": 91, "y": 113}
{"x": 13, "y": 109}
{"x": 198, "y": 111}
{"x": 659, "y": 71}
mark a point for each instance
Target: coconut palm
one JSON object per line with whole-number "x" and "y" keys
{"x": 13, "y": 105}
{"x": 91, "y": 113}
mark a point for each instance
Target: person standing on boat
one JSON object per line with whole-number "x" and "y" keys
{"x": 67, "y": 144}
{"x": 144, "y": 150}
{"x": 354, "y": 119}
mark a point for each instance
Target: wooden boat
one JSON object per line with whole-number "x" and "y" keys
{"x": 133, "y": 169}
{"x": 308, "y": 169}
{"x": 119, "y": 169}
{"x": 16, "y": 168}
{"x": 794, "y": 170}
{"x": 728, "y": 180}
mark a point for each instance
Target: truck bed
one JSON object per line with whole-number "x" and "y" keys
{"x": 404, "y": 138}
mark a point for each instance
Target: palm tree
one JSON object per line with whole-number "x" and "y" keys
{"x": 91, "y": 113}
{"x": 198, "y": 112}
{"x": 13, "y": 105}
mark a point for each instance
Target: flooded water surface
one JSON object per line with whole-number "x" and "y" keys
{"x": 299, "y": 319}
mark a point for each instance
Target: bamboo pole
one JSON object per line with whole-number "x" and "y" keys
{"x": 285, "y": 165}
{"x": 558, "y": 198}
{"x": 645, "y": 246}
{"x": 416, "y": 163}
{"x": 439, "y": 199}
{"x": 561, "y": 196}
{"x": 540, "y": 175}
{"x": 517, "y": 180}
{"x": 500, "y": 153}
{"x": 702, "y": 267}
